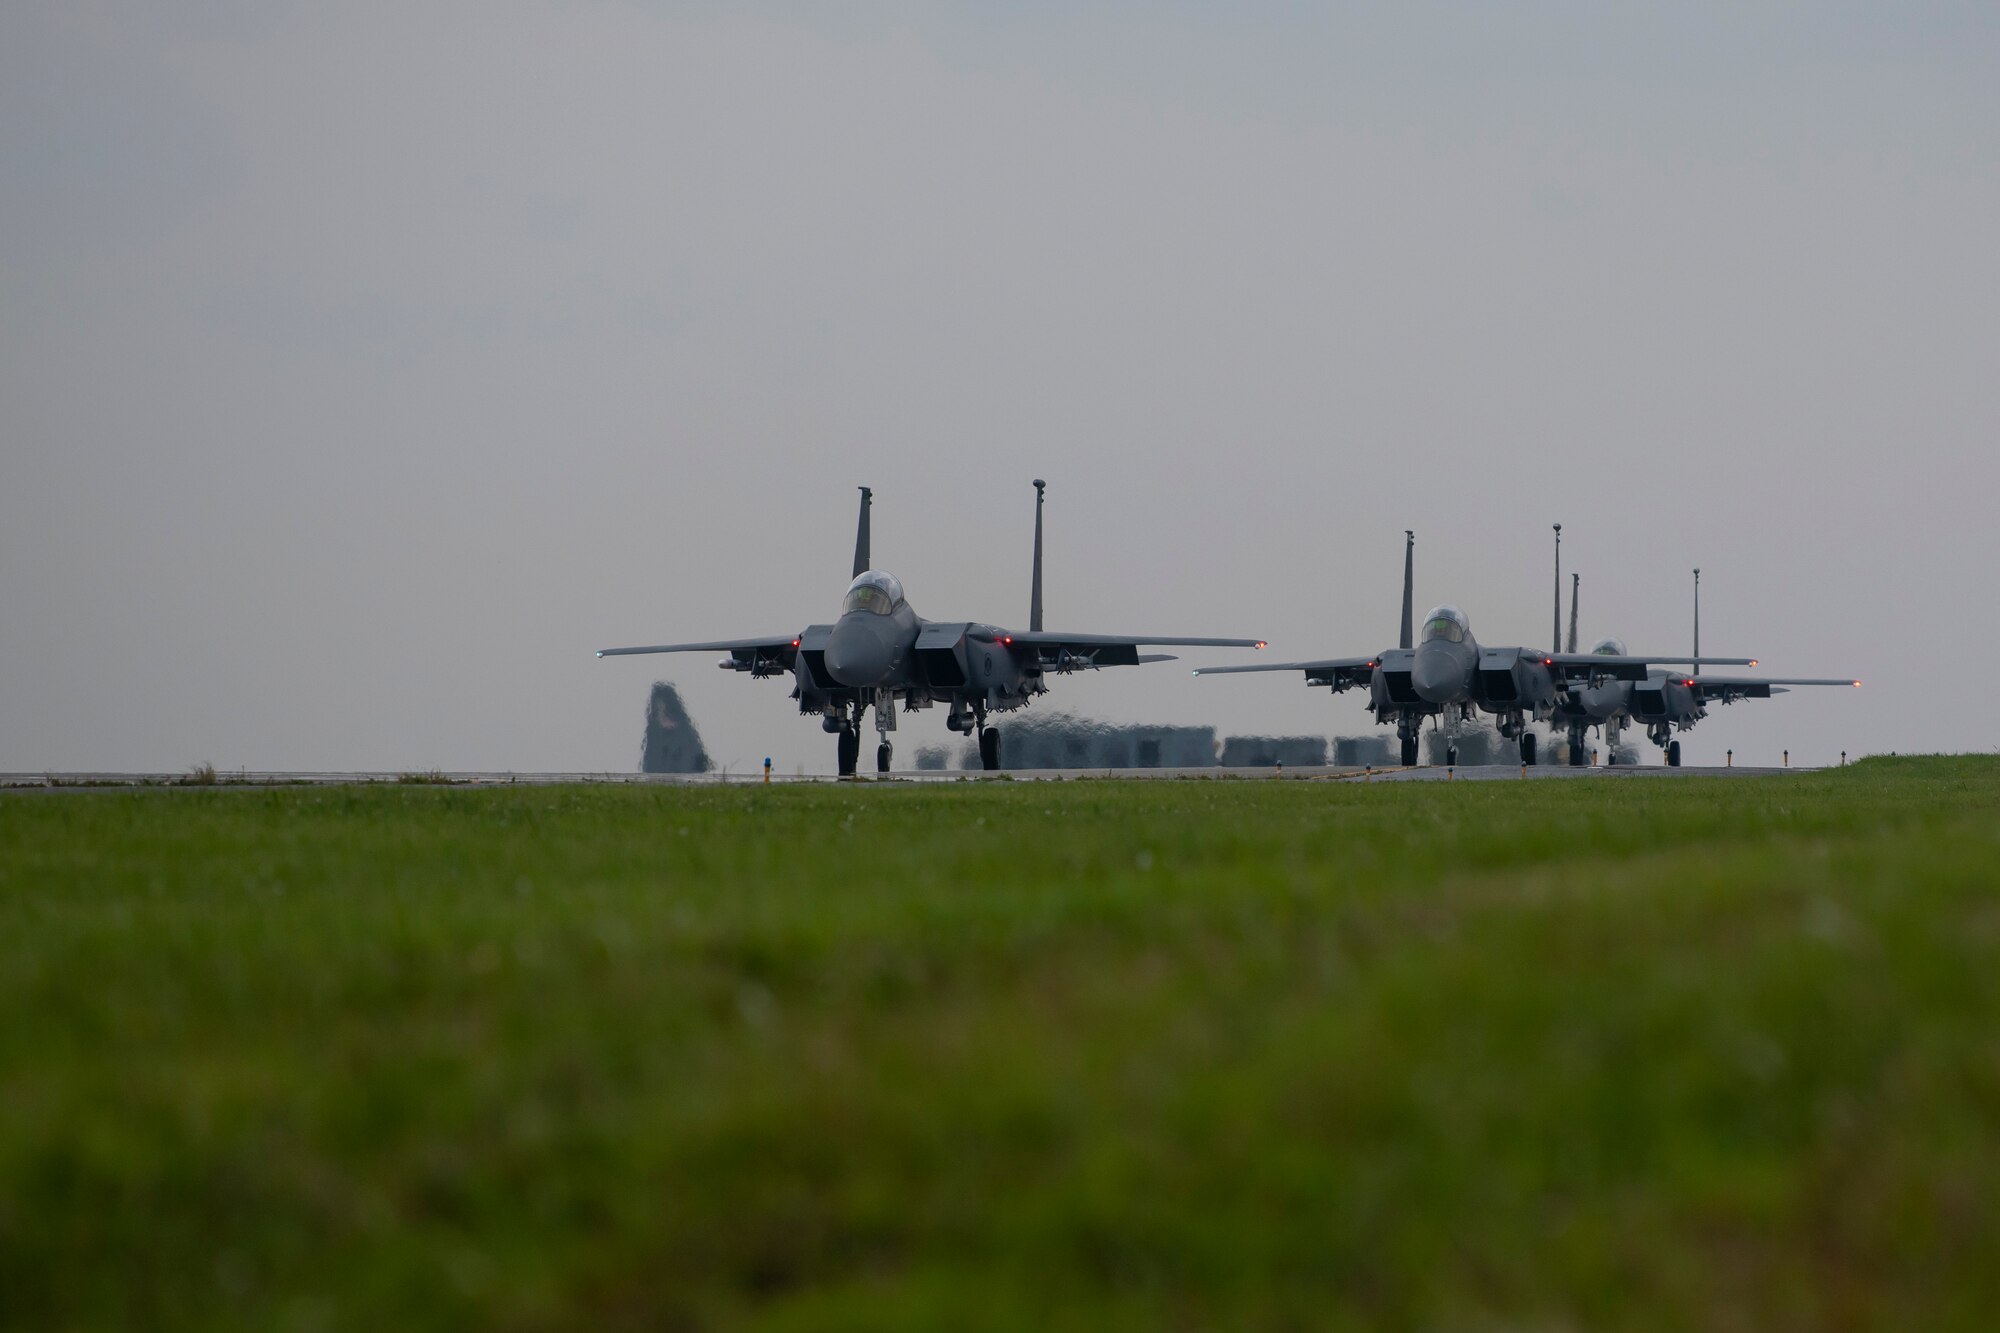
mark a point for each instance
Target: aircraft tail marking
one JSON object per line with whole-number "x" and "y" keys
{"x": 861, "y": 534}
{"x": 1697, "y": 622}
{"x": 1556, "y": 626}
{"x": 1409, "y": 580}
{"x": 1035, "y": 592}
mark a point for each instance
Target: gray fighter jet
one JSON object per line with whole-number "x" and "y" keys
{"x": 1445, "y": 673}
{"x": 1664, "y": 702}
{"x": 881, "y": 652}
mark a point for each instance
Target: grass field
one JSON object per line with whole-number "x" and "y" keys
{"x": 1672, "y": 1054}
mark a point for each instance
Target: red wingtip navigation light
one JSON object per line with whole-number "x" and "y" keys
{"x": 1262, "y": 644}
{"x": 1857, "y": 684}
{"x": 1753, "y": 662}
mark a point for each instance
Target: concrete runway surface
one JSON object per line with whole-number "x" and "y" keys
{"x": 243, "y": 781}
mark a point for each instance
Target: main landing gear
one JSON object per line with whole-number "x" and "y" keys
{"x": 1673, "y": 754}
{"x": 849, "y": 750}
{"x": 1527, "y": 748}
{"x": 972, "y": 720}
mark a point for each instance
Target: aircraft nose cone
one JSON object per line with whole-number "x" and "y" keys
{"x": 858, "y": 654}
{"x": 1436, "y": 677}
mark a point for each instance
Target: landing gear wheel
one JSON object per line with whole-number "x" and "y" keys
{"x": 1409, "y": 752}
{"x": 882, "y": 753}
{"x": 1674, "y": 754}
{"x": 1577, "y": 757}
{"x": 849, "y": 750}
{"x": 989, "y": 749}
{"x": 1451, "y": 756}
{"x": 1527, "y": 747}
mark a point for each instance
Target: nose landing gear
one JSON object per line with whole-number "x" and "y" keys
{"x": 1578, "y": 755}
{"x": 885, "y": 722}
{"x": 1406, "y": 731}
{"x": 848, "y": 725}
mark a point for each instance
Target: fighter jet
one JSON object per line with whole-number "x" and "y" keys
{"x": 1447, "y": 674}
{"x": 1664, "y": 702}
{"x": 881, "y": 652}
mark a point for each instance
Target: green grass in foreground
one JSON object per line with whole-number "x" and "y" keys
{"x": 1584, "y": 1054}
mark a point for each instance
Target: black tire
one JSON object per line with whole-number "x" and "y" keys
{"x": 1410, "y": 752}
{"x": 1577, "y": 757}
{"x": 1528, "y": 747}
{"x": 849, "y": 751}
{"x": 1674, "y": 754}
{"x": 989, "y": 750}
{"x": 882, "y": 754}
{"x": 1451, "y": 756}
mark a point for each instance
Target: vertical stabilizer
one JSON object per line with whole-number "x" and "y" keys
{"x": 861, "y": 534}
{"x": 1575, "y": 584}
{"x": 1556, "y": 628}
{"x": 1697, "y": 622}
{"x": 1409, "y": 603}
{"x": 1035, "y": 590}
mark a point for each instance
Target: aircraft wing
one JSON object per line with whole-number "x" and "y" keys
{"x": 769, "y": 646}
{"x": 1327, "y": 667}
{"x": 1340, "y": 673}
{"x": 759, "y": 657}
{"x": 1074, "y": 651}
{"x": 1129, "y": 640}
{"x": 1728, "y": 689}
{"x": 1605, "y": 666}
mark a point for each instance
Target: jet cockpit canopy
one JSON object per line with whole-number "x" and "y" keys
{"x": 874, "y": 592}
{"x": 1446, "y": 622}
{"x": 1608, "y": 648}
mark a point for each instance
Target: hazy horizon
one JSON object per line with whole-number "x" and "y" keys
{"x": 363, "y": 370}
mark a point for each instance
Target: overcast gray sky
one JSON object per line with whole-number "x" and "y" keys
{"x": 365, "y": 366}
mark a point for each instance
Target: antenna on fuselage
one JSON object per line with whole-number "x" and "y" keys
{"x": 1556, "y": 629}
{"x": 1409, "y": 579}
{"x": 1035, "y": 592}
{"x": 1575, "y": 582}
{"x": 1697, "y": 622}
{"x": 861, "y": 535}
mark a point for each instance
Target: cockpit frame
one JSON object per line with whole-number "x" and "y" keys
{"x": 873, "y": 591}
